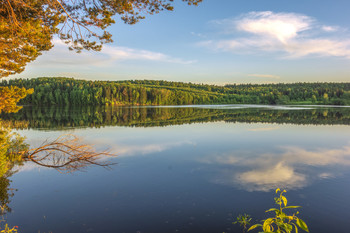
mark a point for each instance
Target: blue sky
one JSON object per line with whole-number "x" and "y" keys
{"x": 219, "y": 42}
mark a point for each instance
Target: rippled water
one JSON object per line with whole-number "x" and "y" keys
{"x": 187, "y": 169}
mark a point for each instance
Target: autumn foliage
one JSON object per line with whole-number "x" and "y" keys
{"x": 27, "y": 27}
{"x": 9, "y": 96}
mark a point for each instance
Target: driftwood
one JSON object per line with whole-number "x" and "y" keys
{"x": 67, "y": 154}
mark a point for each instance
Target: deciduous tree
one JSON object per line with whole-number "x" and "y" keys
{"x": 9, "y": 96}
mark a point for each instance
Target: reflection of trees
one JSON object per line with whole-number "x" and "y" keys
{"x": 65, "y": 154}
{"x": 5, "y": 192}
{"x": 11, "y": 147}
{"x": 60, "y": 118}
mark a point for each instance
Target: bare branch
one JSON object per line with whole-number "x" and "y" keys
{"x": 75, "y": 21}
{"x": 68, "y": 154}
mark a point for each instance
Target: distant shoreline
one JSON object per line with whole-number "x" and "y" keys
{"x": 76, "y": 92}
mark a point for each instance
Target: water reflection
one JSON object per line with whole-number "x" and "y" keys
{"x": 6, "y": 193}
{"x": 185, "y": 174}
{"x": 135, "y": 150}
{"x": 65, "y": 154}
{"x": 55, "y": 118}
{"x": 11, "y": 146}
{"x": 291, "y": 168}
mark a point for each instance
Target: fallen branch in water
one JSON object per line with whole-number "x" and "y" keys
{"x": 67, "y": 154}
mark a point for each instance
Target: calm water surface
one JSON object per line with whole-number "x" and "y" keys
{"x": 187, "y": 169}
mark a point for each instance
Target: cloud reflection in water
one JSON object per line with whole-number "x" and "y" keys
{"x": 291, "y": 168}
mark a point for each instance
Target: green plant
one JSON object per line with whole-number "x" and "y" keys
{"x": 244, "y": 221}
{"x": 6, "y": 228}
{"x": 282, "y": 223}
{"x": 9, "y": 230}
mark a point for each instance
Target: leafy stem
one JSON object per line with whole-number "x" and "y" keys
{"x": 281, "y": 222}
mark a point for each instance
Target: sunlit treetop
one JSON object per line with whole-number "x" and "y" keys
{"x": 9, "y": 97}
{"x": 28, "y": 26}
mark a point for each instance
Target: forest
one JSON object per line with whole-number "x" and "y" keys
{"x": 69, "y": 91}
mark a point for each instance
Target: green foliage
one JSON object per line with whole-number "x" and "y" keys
{"x": 282, "y": 222}
{"x": 4, "y": 227}
{"x": 68, "y": 91}
{"x": 244, "y": 221}
{"x": 12, "y": 147}
{"x": 11, "y": 150}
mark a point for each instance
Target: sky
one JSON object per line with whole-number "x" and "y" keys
{"x": 218, "y": 42}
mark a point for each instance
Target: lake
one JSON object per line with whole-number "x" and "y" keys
{"x": 186, "y": 168}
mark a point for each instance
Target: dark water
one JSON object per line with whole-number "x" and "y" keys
{"x": 187, "y": 169}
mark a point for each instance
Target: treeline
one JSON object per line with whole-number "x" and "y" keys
{"x": 61, "y": 118}
{"x": 69, "y": 91}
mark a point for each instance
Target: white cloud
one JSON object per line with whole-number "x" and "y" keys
{"x": 289, "y": 34}
{"x": 322, "y": 47}
{"x": 107, "y": 56}
{"x": 123, "y": 53}
{"x": 282, "y": 26}
{"x": 329, "y": 28}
